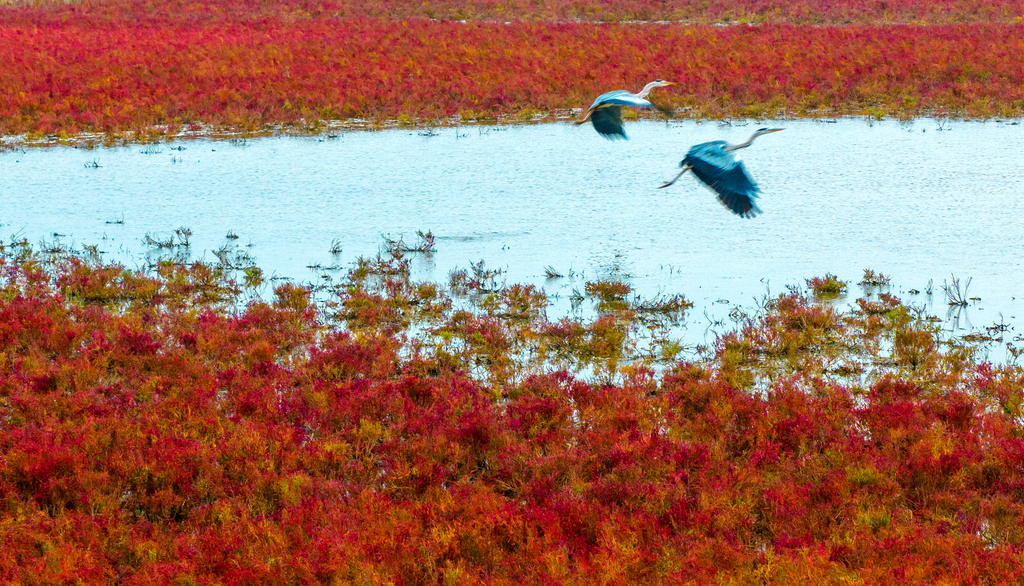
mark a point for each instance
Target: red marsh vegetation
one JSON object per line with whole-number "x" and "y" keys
{"x": 802, "y": 12}
{"x": 169, "y": 427}
{"x": 116, "y": 67}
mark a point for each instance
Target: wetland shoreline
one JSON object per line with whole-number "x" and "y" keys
{"x": 331, "y": 128}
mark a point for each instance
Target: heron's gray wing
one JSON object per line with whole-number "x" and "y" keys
{"x": 726, "y": 175}
{"x": 608, "y": 121}
{"x": 621, "y": 98}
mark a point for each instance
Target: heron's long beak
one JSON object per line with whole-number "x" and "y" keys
{"x": 774, "y": 130}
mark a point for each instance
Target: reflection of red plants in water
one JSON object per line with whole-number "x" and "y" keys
{"x": 96, "y": 72}
{"x": 152, "y": 433}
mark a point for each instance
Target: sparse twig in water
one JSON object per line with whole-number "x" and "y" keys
{"x": 1013, "y": 352}
{"x": 223, "y": 255}
{"x": 483, "y": 279}
{"x": 919, "y": 311}
{"x": 671, "y": 306}
{"x": 118, "y": 221}
{"x": 152, "y": 242}
{"x": 232, "y": 257}
{"x": 92, "y": 251}
{"x": 335, "y": 247}
{"x": 55, "y": 247}
{"x": 425, "y": 245}
{"x": 551, "y": 273}
{"x": 576, "y": 299}
{"x": 426, "y": 242}
{"x": 477, "y": 280}
{"x": 712, "y": 322}
{"x": 998, "y": 328}
{"x": 231, "y": 235}
{"x": 183, "y": 234}
{"x": 93, "y": 164}
{"x": 954, "y": 294}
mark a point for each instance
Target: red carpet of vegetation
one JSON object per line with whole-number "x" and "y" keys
{"x": 803, "y": 12}
{"x": 118, "y": 66}
{"x": 155, "y": 433}
{"x": 160, "y": 428}
{"x": 814, "y": 12}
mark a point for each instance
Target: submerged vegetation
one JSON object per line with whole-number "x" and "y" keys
{"x": 189, "y": 424}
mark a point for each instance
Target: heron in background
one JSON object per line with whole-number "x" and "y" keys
{"x": 606, "y": 111}
{"x": 717, "y": 167}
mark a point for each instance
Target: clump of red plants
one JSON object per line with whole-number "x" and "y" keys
{"x": 827, "y": 287}
{"x": 175, "y": 427}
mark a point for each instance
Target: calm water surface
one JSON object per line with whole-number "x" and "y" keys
{"x": 919, "y": 202}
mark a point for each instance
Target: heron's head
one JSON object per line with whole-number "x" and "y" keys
{"x": 761, "y": 131}
{"x": 662, "y": 83}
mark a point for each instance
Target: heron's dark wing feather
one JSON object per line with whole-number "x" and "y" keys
{"x": 726, "y": 175}
{"x": 608, "y": 121}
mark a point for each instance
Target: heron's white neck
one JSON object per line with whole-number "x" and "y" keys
{"x": 742, "y": 145}
{"x": 647, "y": 89}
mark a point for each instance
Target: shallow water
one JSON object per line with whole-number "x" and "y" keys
{"x": 919, "y": 202}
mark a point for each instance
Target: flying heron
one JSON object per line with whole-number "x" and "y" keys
{"x": 606, "y": 111}
{"x": 717, "y": 167}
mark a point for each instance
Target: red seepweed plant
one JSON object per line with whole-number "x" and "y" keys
{"x": 157, "y": 428}
{"x": 129, "y": 69}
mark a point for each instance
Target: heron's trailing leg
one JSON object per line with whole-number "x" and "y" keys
{"x": 685, "y": 169}
{"x": 585, "y": 118}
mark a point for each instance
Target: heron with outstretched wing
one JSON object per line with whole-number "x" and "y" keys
{"x": 716, "y": 165}
{"x": 606, "y": 111}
